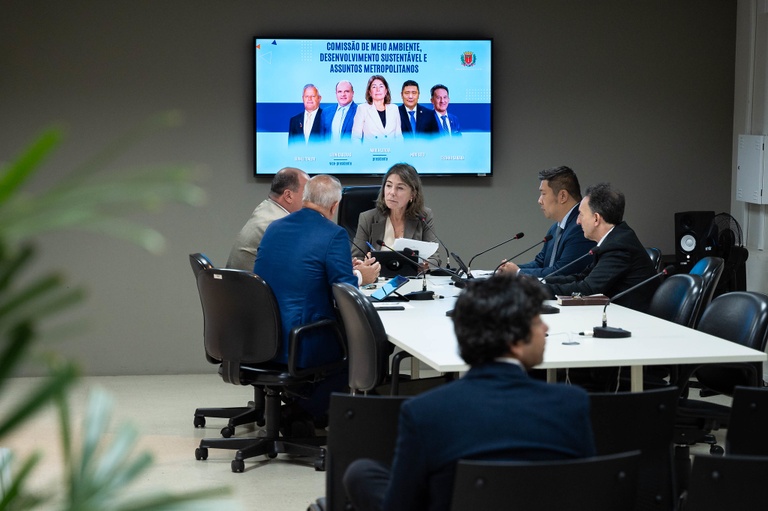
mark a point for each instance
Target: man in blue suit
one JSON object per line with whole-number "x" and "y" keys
{"x": 494, "y": 412}
{"x": 448, "y": 123}
{"x": 415, "y": 119}
{"x": 337, "y": 122}
{"x": 559, "y": 198}
{"x": 301, "y": 256}
{"x": 307, "y": 126}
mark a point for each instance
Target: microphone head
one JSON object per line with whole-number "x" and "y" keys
{"x": 381, "y": 243}
{"x": 547, "y": 238}
{"x": 669, "y": 270}
{"x": 519, "y": 235}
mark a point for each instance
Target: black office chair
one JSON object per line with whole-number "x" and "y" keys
{"x": 678, "y": 299}
{"x": 253, "y": 412}
{"x": 355, "y": 200}
{"x": 728, "y": 482}
{"x": 602, "y": 483}
{"x": 243, "y": 330}
{"x": 643, "y": 421}
{"x": 748, "y": 427}
{"x": 367, "y": 342}
{"x": 655, "y": 255}
{"x": 710, "y": 269}
{"x": 740, "y": 317}
{"x": 358, "y": 427}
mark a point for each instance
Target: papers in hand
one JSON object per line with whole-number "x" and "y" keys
{"x": 425, "y": 248}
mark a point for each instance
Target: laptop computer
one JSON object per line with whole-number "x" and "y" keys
{"x": 396, "y": 263}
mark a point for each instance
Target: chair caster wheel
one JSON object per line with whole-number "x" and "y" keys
{"x": 238, "y": 465}
{"x": 272, "y": 455}
{"x": 199, "y": 422}
{"x": 319, "y": 464}
{"x": 716, "y": 450}
{"x": 227, "y": 431}
{"x": 260, "y": 423}
{"x": 201, "y": 453}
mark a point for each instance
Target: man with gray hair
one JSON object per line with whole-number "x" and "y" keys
{"x": 285, "y": 197}
{"x": 301, "y": 256}
{"x": 307, "y": 126}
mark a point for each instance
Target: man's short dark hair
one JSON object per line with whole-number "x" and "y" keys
{"x": 409, "y": 83}
{"x": 438, "y": 86}
{"x": 286, "y": 178}
{"x": 562, "y": 178}
{"x": 606, "y": 202}
{"x": 493, "y": 314}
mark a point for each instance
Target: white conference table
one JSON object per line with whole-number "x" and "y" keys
{"x": 424, "y": 331}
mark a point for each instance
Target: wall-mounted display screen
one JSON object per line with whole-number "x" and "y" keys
{"x": 358, "y": 106}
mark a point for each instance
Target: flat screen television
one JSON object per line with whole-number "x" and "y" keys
{"x": 361, "y": 140}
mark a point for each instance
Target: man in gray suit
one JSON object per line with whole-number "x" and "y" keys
{"x": 284, "y": 198}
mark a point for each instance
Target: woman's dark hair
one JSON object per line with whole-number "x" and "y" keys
{"x": 368, "y": 98}
{"x": 410, "y": 177}
{"x": 491, "y": 315}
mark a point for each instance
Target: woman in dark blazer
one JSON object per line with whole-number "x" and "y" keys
{"x": 399, "y": 213}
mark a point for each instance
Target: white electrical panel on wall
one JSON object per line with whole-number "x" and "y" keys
{"x": 751, "y": 170}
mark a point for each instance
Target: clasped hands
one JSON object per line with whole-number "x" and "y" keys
{"x": 369, "y": 268}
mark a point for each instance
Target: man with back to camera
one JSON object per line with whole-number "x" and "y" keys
{"x": 621, "y": 260}
{"x": 415, "y": 119}
{"x": 509, "y": 416}
{"x": 284, "y": 197}
{"x": 307, "y": 126}
{"x": 301, "y": 256}
{"x": 447, "y": 123}
{"x": 559, "y": 198}
{"x": 337, "y": 123}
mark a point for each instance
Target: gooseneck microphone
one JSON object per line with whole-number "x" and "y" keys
{"x": 447, "y": 252}
{"x": 544, "y": 240}
{"x": 592, "y": 252}
{"x": 607, "y": 332}
{"x": 513, "y": 238}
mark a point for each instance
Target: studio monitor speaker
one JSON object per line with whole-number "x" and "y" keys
{"x": 691, "y": 231}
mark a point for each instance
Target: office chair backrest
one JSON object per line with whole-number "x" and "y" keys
{"x": 603, "y": 483}
{"x": 727, "y": 482}
{"x": 358, "y": 427}
{"x": 643, "y": 421}
{"x": 367, "y": 342}
{"x": 655, "y": 255}
{"x": 678, "y": 299}
{"x": 740, "y": 317}
{"x": 242, "y": 319}
{"x": 710, "y": 269}
{"x": 355, "y": 200}
{"x": 199, "y": 262}
{"x": 747, "y": 432}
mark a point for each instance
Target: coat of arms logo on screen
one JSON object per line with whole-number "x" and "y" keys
{"x": 468, "y": 59}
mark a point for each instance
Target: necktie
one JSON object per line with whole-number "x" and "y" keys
{"x": 413, "y": 121}
{"x": 445, "y": 124}
{"x": 554, "y": 246}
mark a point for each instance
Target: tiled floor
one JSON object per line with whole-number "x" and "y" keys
{"x": 162, "y": 408}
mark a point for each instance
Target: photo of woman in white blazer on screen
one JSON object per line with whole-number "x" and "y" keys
{"x": 377, "y": 120}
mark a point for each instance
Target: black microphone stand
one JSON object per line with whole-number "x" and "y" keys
{"x": 515, "y": 237}
{"x": 607, "y": 332}
{"x": 447, "y": 252}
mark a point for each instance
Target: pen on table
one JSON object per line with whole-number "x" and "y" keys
{"x": 370, "y": 246}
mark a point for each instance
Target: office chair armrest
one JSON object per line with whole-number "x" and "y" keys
{"x": 294, "y": 340}
{"x": 397, "y": 359}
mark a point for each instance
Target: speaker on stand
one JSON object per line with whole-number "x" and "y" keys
{"x": 691, "y": 232}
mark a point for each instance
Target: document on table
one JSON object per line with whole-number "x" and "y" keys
{"x": 425, "y": 248}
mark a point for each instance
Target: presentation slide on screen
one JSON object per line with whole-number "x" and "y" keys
{"x": 284, "y": 66}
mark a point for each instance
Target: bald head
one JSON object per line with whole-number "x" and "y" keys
{"x": 288, "y": 188}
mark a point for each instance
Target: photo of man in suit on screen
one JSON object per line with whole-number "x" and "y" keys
{"x": 307, "y": 126}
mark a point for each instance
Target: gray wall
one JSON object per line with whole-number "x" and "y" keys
{"x": 637, "y": 93}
